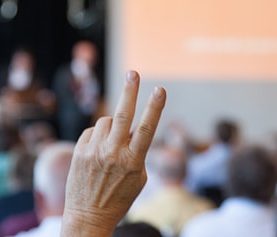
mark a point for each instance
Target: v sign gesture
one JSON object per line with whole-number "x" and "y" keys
{"x": 107, "y": 170}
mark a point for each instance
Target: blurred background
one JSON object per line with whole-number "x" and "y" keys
{"x": 217, "y": 59}
{"x": 62, "y": 66}
{"x": 50, "y": 29}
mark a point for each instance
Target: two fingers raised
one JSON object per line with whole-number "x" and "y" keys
{"x": 117, "y": 129}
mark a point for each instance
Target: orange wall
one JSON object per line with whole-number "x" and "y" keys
{"x": 201, "y": 38}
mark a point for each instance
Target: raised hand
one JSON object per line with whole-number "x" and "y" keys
{"x": 107, "y": 171}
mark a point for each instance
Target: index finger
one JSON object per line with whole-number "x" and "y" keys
{"x": 125, "y": 110}
{"x": 144, "y": 133}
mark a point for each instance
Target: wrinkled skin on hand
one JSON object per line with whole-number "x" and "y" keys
{"x": 107, "y": 170}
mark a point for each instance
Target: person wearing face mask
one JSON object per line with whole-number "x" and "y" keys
{"x": 19, "y": 74}
{"x": 22, "y": 95}
{"x": 77, "y": 90}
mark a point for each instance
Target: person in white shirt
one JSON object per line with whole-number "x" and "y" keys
{"x": 50, "y": 174}
{"x": 248, "y": 212}
{"x": 171, "y": 206}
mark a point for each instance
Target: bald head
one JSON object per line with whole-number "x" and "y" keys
{"x": 50, "y": 174}
{"x": 172, "y": 163}
{"x": 23, "y": 58}
{"x": 85, "y": 51}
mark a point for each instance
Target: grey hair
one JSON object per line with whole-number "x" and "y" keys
{"x": 51, "y": 170}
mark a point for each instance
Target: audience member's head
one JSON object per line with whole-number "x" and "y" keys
{"x": 252, "y": 174}
{"x": 21, "y": 71}
{"x": 172, "y": 165}
{"x": 36, "y": 136}
{"x": 21, "y": 174}
{"x": 23, "y": 58}
{"x": 136, "y": 230}
{"x": 85, "y": 51}
{"x": 227, "y": 132}
{"x": 50, "y": 174}
{"x": 9, "y": 138}
{"x": 175, "y": 135}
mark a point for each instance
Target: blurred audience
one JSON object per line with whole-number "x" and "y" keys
{"x": 9, "y": 141}
{"x": 19, "y": 201}
{"x": 50, "y": 174}
{"x": 248, "y": 211}
{"x": 177, "y": 172}
{"x": 22, "y": 93}
{"x": 136, "y": 230}
{"x": 202, "y": 167}
{"x": 36, "y": 136}
{"x": 77, "y": 90}
{"x": 170, "y": 208}
{"x": 175, "y": 136}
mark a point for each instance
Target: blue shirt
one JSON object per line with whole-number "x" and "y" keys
{"x": 5, "y": 167}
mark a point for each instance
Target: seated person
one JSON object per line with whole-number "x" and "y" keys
{"x": 172, "y": 206}
{"x": 247, "y": 212}
{"x": 36, "y": 136}
{"x": 50, "y": 174}
{"x": 9, "y": 139}
{"x": 23, "y": 96}
{"x": 201, "y": 168}
{"x": 20, "y": 197}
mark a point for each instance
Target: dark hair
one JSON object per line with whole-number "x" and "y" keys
{"x": 136, "y": 230}
{"x": 252, "y": 174}
{"x": 24, "y": 50}
{"x": 22, "y": 169}
{"x": 8, "y": 137}
{"x": 226, "y": 131}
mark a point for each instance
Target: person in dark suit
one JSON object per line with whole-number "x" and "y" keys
{"x": 77, "y": 90}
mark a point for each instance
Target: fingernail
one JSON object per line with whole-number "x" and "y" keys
{"x": 131, "y": 76}
{"x": 158, "y": 92}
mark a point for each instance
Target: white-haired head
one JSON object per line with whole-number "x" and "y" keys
{"x": 172, "y": 165}
{"x": 50, "y": 174}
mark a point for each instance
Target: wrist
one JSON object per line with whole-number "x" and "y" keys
{"x": 80, "y": 224}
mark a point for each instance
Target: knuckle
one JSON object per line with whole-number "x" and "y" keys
{"x": 82, "y": 152}
{"x": 106, "y": 118}
{"x": 122, "y": 117}
{"x": 129, "y": 154}
{"x": 134, "y": 161}
{"x": 103, "y": 120}
{"x": 109, "y": 164}
{"x": 88, "y": 153}
{"x": 109, "y": 154}
{"x": 110, "y": 149}
{"x": 86, "y": 131}
{"x": 146, "y": 129}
